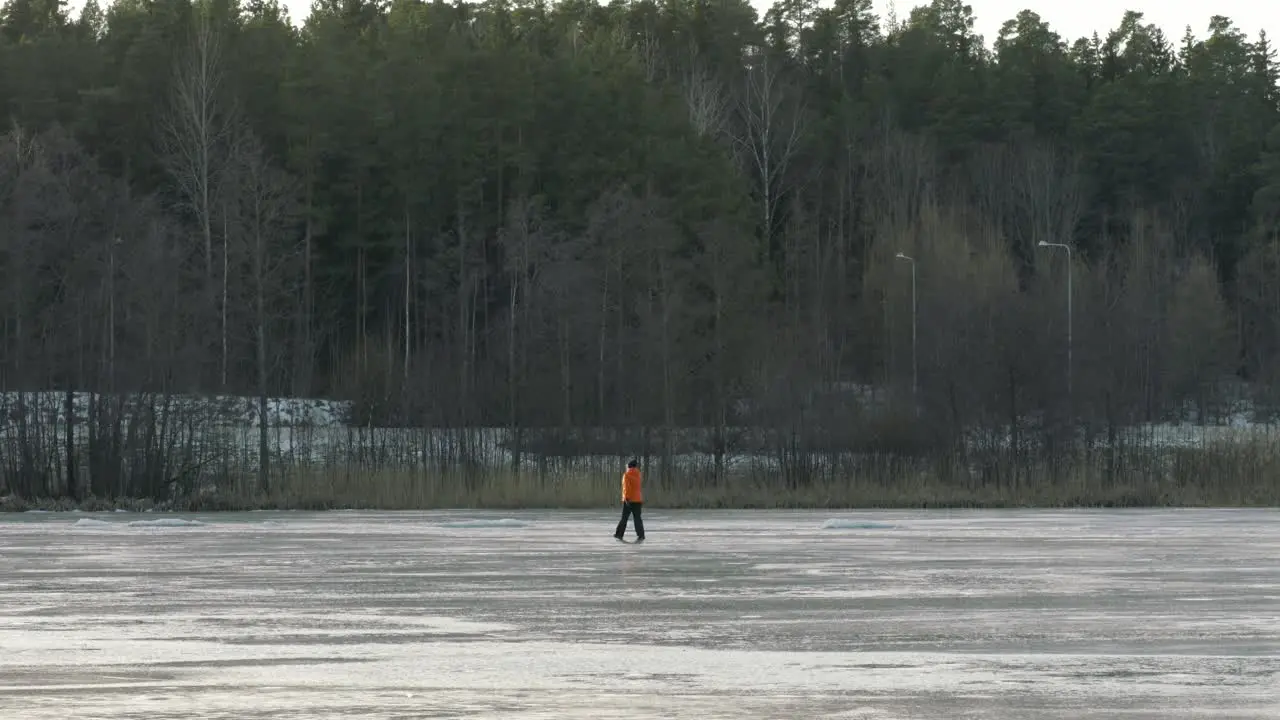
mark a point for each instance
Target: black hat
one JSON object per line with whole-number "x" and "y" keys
{"x": 633, "y": 463}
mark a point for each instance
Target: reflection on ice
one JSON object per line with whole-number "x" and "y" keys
{"x": 720, "y": 614}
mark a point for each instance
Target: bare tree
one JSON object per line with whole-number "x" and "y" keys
{"x": 706, "y": 100}
{"x": 1032, "y": 192}
{"x": 900, "y": 179}
{"x": 735, "y": 294}
{"x": 1258, "y": 297}
{"x": 609, "y": 227}
{"x": 649, "y": 51}
{"x": 571, "y": 315}
{"x": 525, "y": 244}
{"x": 20, "y": 154}
{"x": 270, "y": 253}
{"x": 195, "y": 140}
{"x": 67, "y": 218}
{"x": 768, "y": 137}
{"x": 1199, "y": 335}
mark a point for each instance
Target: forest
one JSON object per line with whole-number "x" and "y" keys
{"x": 817, "y": 257}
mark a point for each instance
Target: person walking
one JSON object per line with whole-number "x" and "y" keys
{"x": 632, "y": 500}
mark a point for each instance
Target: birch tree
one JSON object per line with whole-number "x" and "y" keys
{"x": 269, "y": 254}
{"x": 197, "y": 127}
{"x": 706, "y": 99}
{"x": 768, "y": 137}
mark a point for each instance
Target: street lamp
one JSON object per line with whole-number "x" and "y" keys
{"x": 1069, "y": 343}
{"x": 915, "y": 368}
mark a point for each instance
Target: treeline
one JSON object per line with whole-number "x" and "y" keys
{"x": 573, "y": 219}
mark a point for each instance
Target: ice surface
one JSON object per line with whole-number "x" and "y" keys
{"x": 486, "y": 523}
{"x": 169, "y": 522}
{"x": 1027, "y": 615}
{"x": 839, "y": 524}
{"x": 91, "y": 523}
{"x": 166, "y": 522}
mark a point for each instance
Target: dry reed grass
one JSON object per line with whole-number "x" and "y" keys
{"x": 1224, "y": 474}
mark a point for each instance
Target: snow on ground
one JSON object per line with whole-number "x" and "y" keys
{"x": 224, "y": 410}
{"x": 1026, "y": 615}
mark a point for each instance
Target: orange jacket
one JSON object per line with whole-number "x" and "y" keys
{"x": 631, "y": 486}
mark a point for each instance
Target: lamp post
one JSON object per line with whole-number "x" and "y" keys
{"x": 915, "y": 368}
{"x": 1069, "y": 324}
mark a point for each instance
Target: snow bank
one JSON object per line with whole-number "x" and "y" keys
{"x": 838, "y": 524}
{"x": 166, "y": 522}
{"x": 496, "y": 523}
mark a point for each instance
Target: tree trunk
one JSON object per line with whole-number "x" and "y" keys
{"x": 1015, "y": 438}
{"x": 600, "y": 367}
{"x": 261, "y": 322}
{"x": 565, "y": 374}
{"x": 226, "y": 271}
{"x": 408, "y": 290}
{"x": 511, "y": 371}
{"x": 362, "y": 346}
{"x": 463, "y": 327}
{"x": 668, "y": 419}
{"x": 308, "y": 293}
{"x": 69, "y": 408}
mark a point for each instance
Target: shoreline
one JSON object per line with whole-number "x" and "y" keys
{"x": 14, "y": 506}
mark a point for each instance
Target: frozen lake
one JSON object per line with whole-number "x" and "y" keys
{"x": 1018, "y": 615}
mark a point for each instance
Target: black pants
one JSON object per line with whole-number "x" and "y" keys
{"x": 629, "y": 509}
